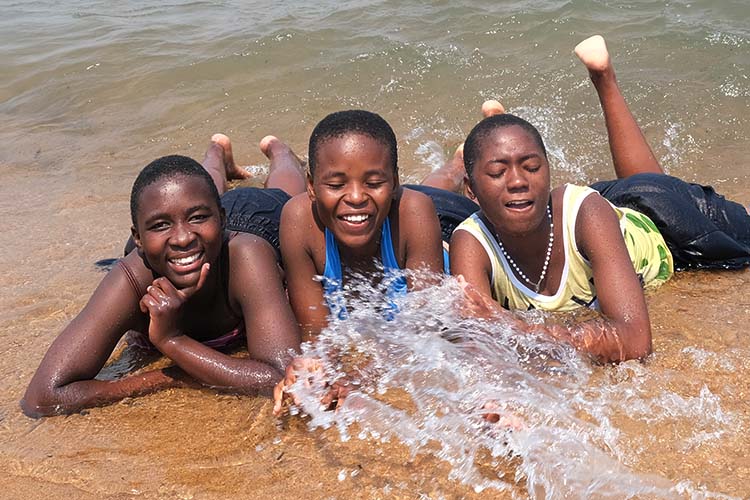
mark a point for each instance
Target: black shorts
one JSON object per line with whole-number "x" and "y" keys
{"x": 255, "y": 211}
{"x": 702, "y": 228}
{"x": 452, "y": 208}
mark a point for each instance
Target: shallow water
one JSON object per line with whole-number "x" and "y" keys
{"x": 92, "y": 91}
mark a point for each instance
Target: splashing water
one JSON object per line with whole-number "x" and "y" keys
{"x": 431, "y": 154}
{"x": 554, "y": 127}
{"x": 424, "y": 377}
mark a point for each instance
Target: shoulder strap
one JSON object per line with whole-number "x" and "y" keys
{"x": 130, "y": 276}
{"x": 396, "y": 281}
{"x": 477, "y": 228}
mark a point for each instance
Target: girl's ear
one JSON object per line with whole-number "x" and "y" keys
{"x": 396, "y": 186}
{"x": 136, "y": 237}
{"x": 469, "y": 193}
{"x": 310, "y": 190}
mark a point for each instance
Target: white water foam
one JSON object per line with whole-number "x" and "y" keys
{"x": 423, "y": 378}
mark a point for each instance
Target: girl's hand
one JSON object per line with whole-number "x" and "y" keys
{"x": 493, "y": 413}
{"x": 163, "y": 303}
{"x": 475, "y": 303}
{"x": 312, "y": 371}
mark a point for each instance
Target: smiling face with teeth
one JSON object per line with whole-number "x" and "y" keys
{"x": 511, "y": 181}
{"x": 352, "y": 190}
{"x": 178, "y": 228}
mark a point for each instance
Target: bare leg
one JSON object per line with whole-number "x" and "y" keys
{"x": 450, "y": 176}
{"x": 286, "y": 169}
{"x": 219, "y": 162}
{"x": 631, "y": 154}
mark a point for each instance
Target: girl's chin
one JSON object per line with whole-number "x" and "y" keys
{"x": 184, "y": 281}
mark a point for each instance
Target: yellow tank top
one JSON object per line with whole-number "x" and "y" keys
{"x": 651, "y": 259}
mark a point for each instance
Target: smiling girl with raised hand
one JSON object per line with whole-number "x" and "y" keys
{"x": 200, "y": 278}
{"x": 532, "y": 248}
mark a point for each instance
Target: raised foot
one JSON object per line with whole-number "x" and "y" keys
{"x": 269, "y": 144}
{"x": 593, "y": 54}
{"x": 231, "y": 168}
{"x": 277, "y": 150}
{"x": 492, "y": 107}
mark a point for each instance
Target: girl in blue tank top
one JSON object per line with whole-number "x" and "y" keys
{"x": 357, "y": 218}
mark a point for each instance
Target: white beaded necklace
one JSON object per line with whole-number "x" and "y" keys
{"x": 546, "y": 258}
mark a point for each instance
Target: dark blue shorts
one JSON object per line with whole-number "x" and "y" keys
{"x": 452, "y": 208}
{"x": 702, "y": 228}
{"x": 255, "y": 211}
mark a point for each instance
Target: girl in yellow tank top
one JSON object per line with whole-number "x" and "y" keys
{"x": 651, "y": 259}
{"x": 560, "y": 243}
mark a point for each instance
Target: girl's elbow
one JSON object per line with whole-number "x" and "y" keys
{"x": 643, "y": 350}
{"x": 639, "y": 346}
{"x": 46, "y": 399}
{"x": 37, "y": 404}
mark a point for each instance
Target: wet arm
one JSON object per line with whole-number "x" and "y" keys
{"x": 623, "y": 331}
{"x": 64, "y": 381}
{"x": 305, "y": 292}
{"x": 420, "y": 225}
{"x": 470, "y": 263}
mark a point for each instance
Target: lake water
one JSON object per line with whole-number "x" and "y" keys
{"x": 90, "y": 92}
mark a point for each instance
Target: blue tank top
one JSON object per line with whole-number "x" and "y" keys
{"x": 333, "y": 275}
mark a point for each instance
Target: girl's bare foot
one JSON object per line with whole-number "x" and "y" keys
{"x": 594, "y": 55}
{"x": 232, "y": 170}
{"x": 492, "y": 107}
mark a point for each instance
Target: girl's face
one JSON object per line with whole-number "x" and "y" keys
{"x": 511, "y": 181}
{"x": 179, "y": 228}
{"x": 352, "y": 190}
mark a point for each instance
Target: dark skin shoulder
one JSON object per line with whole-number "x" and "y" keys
{"x": 469, "y": 260}
{"x": 256, "y": 289}
{"x": 624, "y": 331}
{"x": 417, "y": 235}
{"x": 303, "y": 257}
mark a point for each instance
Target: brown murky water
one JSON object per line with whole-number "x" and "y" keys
{"x": 90, "y": 93}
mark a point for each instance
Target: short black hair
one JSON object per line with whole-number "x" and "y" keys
{"x": 353, "y": 121}
{"x": 168, "y": 167}
{"x": 481, "y": 130}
